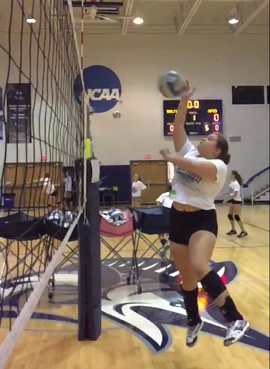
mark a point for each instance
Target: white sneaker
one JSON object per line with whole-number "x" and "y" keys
{"x": 192, "y": 334}
{"x": 235, "y": 332}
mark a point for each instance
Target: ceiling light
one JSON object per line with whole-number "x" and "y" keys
{"x": 31, "y": 20}
{"x": 233, "y": 21}
{"x": 138, "y": 21}
{"x": 234, "y": 16}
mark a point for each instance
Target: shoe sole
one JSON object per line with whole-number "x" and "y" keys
{"x": 194, "y": 344}
{"x": 229, "y": 343}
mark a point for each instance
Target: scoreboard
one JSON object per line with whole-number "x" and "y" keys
{"x": 203, "y": 117}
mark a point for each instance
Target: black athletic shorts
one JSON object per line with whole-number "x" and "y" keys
{"x": 54, "y": 194}
{"x": 235, "y": 202}
{"x": 184, "y": 224}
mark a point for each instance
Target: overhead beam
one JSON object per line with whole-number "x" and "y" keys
{"x": 182, "y": 1}
{"x": 189, "y": 17}
{"x": 128, "y": 11}
{"x": 78, "y": 4}
{"x": 262, "y": 5}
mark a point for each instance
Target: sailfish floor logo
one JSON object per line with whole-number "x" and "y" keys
{"x": 146, "y": 315}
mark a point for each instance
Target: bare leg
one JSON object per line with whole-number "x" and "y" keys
{"x": 181, "y": 258}
{"x": 201, "y": 247}
{"x": 237, "y": 211}
{"x": 50, "y": 204}
{"x": 231, "y": 212}
{"x": 190, "y": 292}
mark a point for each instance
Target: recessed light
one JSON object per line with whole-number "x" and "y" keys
{"x": 138, "y": 21}
{"x": 233, "y": 21}
{"x": 31, "y": 20}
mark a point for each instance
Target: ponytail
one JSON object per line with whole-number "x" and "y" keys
{"x": 223, "y": 145}
{"x": 238, "y": 177}
{"x": 226, "y": 159}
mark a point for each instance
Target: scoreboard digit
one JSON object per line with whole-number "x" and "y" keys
{"x": 203, "y": 117}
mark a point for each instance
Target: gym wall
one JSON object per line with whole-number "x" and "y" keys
{"x": 212, "y": 64}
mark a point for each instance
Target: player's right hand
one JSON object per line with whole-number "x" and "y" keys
{"x": 187, "y": 93}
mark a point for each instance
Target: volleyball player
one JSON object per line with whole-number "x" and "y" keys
{"x": 137, "y": 188}
{"x": 48, "y": 188}
{"x": 51, "y": 191}
{"x": 68, "y": 190}
{"x": 236, "y": 204}
{"x": 200, "y": 174}
{"x": 165, "y": 198}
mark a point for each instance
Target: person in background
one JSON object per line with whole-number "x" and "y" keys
{"x": 236, "y": 204}
{"x": 68, "y": 190}
{"x": 165, "y": 201}
{"x": 137, "y": 188}
{"x": 48, "y": 188}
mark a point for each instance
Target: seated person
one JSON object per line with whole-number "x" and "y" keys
{"x": 164, "y": 199}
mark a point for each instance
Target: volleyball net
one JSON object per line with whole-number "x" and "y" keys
{"x": 43, "y": 130}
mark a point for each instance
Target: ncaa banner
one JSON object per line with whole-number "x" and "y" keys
{"x": 103, "y": 87}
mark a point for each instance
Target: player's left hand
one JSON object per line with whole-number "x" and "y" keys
{"x": 165, "y": 153}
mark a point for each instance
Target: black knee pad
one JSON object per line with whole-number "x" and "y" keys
{"x": 237, "y": 218}
{"x": 230, "y": 216}
{"x": 213, "y": 285}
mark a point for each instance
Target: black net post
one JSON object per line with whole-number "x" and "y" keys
{"x": 89, "y": 274}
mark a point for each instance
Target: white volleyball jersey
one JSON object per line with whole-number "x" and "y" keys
{"x": 190, "y": 189}
{"x": 68, "y": 184}
{"x": 235, "y": 187}
{"x": 49, "y": 186}
{"x": 137, "y": 189}
{"x": 165, "y": 200}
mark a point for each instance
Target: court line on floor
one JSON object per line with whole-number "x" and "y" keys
{"x": 232, "y": 241}
{"x": 256, "y": 247}
{"x": 255, "y": 226}
{"x": 252, "y": 280}
{"x": 227, "y": 247}
{"x": 238, "y": 244}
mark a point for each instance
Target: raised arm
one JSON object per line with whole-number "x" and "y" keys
{"x": 179, "y": 134}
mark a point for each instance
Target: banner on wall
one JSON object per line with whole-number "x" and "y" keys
{"x": 102, "y": 85}
{"x": 18, "y": 113}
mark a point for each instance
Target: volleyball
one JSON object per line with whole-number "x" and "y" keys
{"x": 171, "y": 84}
{"x": 117, "y": 115}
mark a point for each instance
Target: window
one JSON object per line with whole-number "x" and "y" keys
{"x": 248, "y": 95}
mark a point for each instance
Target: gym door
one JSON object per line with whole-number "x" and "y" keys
{"x": 153, "y": 174}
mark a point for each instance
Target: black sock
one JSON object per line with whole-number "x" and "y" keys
{"x": 214, "y": 286}
{"x": 191, "y": 304}
{"x": 229, "y": 311}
